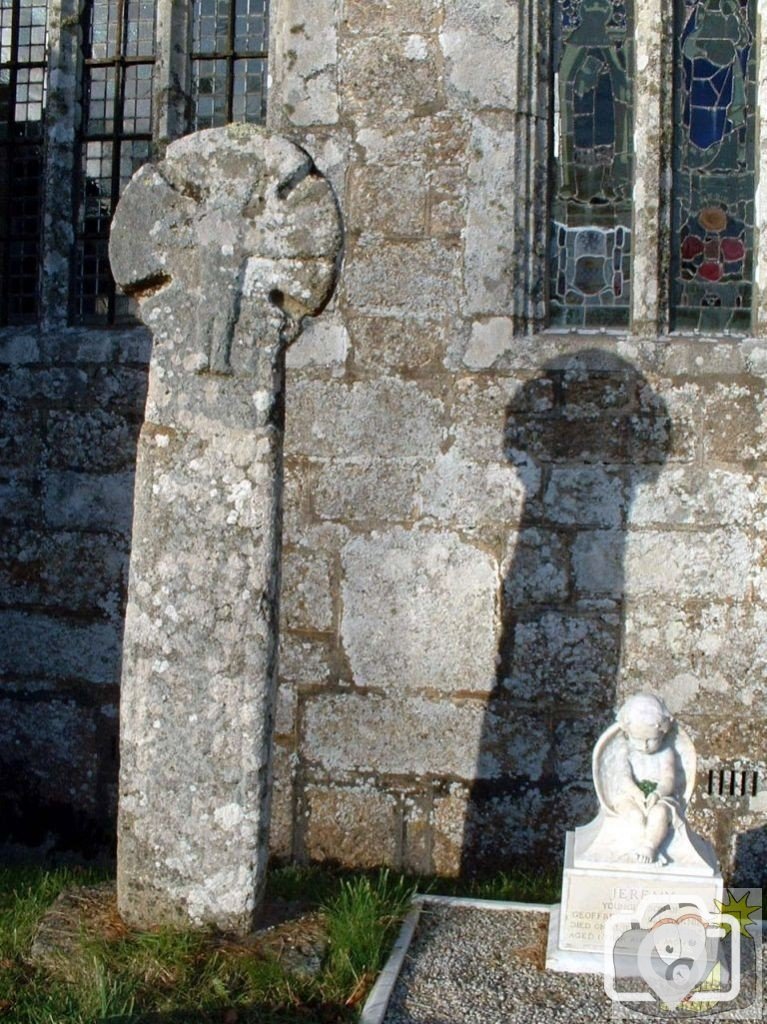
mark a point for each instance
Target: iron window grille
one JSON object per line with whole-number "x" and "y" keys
{"x": 89, "y": 92}
{"x": 23, "y": 48}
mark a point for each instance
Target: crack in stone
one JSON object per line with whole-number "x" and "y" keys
{"x": 147, "y": 286}
{"x": 292, "y": 181}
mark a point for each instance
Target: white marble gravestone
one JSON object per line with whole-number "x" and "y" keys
{"x": 640, "y": 844}
{"x": 227, "y": 244}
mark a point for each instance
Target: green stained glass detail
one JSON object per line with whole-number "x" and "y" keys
{"x": 591, "y": 202}
{"x": 713, "y": 187}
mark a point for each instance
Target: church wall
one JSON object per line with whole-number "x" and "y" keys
{"x": 630, "y": 561}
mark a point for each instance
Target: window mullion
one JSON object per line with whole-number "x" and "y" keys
{"x": 652, "y": 174}
{"x": 230, "y": 65}
{"x": 172, "y": 80}
{"x": 8, "y": 161}
{"x": 117, "y": 128}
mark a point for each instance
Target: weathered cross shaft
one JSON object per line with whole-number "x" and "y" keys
{"x": 227, "y": 244}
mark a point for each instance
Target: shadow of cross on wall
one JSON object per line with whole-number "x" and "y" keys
{"x": 582, "y": 433}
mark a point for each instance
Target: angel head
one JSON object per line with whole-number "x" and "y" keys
{"x": 645, "y": 720}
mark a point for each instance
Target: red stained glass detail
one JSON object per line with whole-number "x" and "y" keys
{"x": 733, "y": 249}
{"x": 692, "y": 246}
{"x": 710, "y": 271}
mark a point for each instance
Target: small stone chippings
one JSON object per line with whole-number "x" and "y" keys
{"x": 474, "y": 966}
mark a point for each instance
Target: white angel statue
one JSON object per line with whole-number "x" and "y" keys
{"x": 644, "y": 774}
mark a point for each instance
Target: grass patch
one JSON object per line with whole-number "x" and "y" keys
{"x": 363, "y": 919}
{"x": 27, "y": 996}
{"x": 171, "y": 977}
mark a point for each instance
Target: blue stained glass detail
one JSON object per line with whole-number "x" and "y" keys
{"x": 715, "y": 45}
{"x": 594, "y": 112}
{"x": 713, "y": 207}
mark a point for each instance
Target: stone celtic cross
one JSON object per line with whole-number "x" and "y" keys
{"x": 227, "y": 244}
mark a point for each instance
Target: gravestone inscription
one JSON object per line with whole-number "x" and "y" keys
{"x": 227, "y": 244}
{"x": 639, "y": 845}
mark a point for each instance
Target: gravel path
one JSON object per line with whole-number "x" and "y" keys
{"x": 473, "y": 966}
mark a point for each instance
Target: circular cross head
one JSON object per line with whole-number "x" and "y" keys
{"x": 227, "y": 244}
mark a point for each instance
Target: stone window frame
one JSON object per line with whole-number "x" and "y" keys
{"x": 653, "y": 155}
{"x": 171, "y": 106}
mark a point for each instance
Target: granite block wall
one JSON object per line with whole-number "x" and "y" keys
{"x": 72, "y": 405}
{"x": 494, "y": 533}
{"x": 460, "y": 623}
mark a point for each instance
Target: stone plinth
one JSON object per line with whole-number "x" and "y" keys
{"x": 591, "y": 895}
{"x": 227, "y": 244}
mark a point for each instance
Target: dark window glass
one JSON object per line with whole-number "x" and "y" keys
{"x": 591, "y": 203}
{"x": 116, "y": 140}
{"x": 714, "y": 162}
{"x": 228, "y": 75}
{"x": 229, "y": 45}
{"x": 22, "y": 110}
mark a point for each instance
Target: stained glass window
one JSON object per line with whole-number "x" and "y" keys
{"x": 591, "y": 202}
{"x": 714, "y": 162}
{"x": 23, "y": 55}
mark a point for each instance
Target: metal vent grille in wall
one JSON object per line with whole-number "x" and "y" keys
{"x": 736, "y": 784}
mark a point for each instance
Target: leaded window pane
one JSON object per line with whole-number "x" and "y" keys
{"x": 591, "y": 203}
{"x": 228, "y": 73}
{"x": 116, "y": 140}
{"x": 23, "y": 72}
{"x": 229, "y": 48}
{"x": 714, "y": 164}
